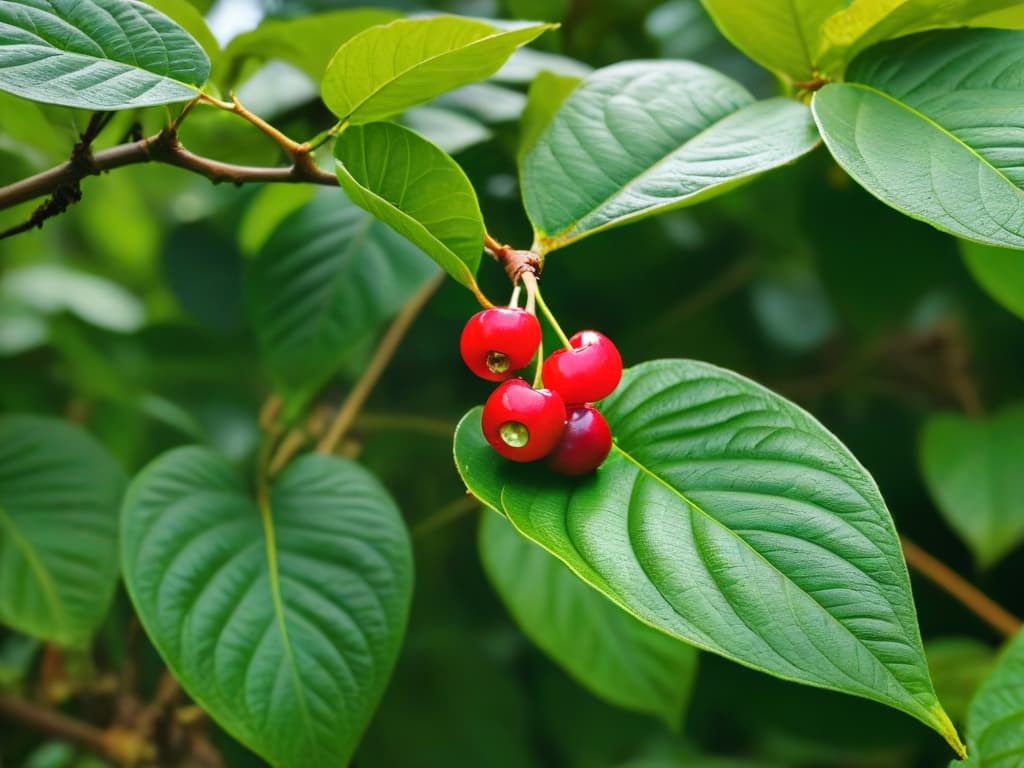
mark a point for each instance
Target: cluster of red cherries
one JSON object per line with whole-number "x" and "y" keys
{"x": 557, "y": 423}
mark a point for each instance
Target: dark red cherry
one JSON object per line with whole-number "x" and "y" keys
{"x": 585, "y": 443}
{"x": 591, "y": 370}
{"x": 522, "y": 423}
{"x": 499, "y": 341}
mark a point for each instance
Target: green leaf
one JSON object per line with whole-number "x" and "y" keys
{"x": 640, "y": 138}
{"x": 387, "y": 69}
{"x": 282, "y": 618}
{"x": 97, "y": 54}
{"x": 934, "y": 126}
{"x": 781, "y": 35}
{"x": 192, "y": 21}
{"x": 547, "y": 93}
{"x": 305, "y": 42}
{"x": 972, "y": 469}
{"x": 323, "y": 284}
{"x": 995, "y": 719}
{"x": 958, "y": 665}
{"x": 1000, "y": 271}
{"x": 417, "y": 190}
{"x": 866, "y": 22}
{"x": 59, "y": 495}
{"x": 730, "y": 518}
{"x": 605, "y": 649}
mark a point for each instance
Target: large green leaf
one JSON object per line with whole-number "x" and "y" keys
{"x": 782, "y": 35}
{"x": 192, "y": 21}
{"x": 547, "y": 93}
{"x": 417, "y": 190}
{"x": 933, "y": 125}
{"x": 387, "y": 69}
{"x": 1000, "y": 271}
{"x": 608, "y": 651}
{"x": 97, "y": 54}
{"x": 639, "y": 138}
{"x": 995, "y": 719}
{"x": 324, "y": 282}
{"x": 281, "y": 617}
{"x": 306, "y": 42}
{"x": 59, "y": 495}
{"x": 730, "y": 518}
{"x": 866, "y": 22}
{"x": 973, "y": 470}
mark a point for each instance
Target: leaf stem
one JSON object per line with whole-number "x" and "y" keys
{"x": 953, "y": 583}
{"x": 385, "y": 351}
{"x": 324, "y": 136}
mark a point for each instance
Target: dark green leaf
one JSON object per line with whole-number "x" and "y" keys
{"x": 1000, "y": 271}
{"x": 385, "y": 70}
{"x": 185, "y": 13}
{"x": 97, "y": 54}
{"x": 934, "y": 126}
{"x": 730, "y": 518}
{"x": 605, "y": 649}
{"x": 640, "y": 138}
{"x": 995, "y": 719}
{"x": 323, "y": 283}
{"x": 59, "y": 495}
{"x": 281, "y": 618}
{"x": 417, "y": 190}
{"x": 972, "y": 468}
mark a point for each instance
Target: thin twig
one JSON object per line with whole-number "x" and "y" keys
{"x": 449, "y": 513}
{"x": 973, "y": 598}
{"x": 385, "y": 351}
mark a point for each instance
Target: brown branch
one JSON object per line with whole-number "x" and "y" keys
{"x": 973, "y": 598}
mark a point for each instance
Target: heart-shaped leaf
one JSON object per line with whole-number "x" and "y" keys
{"x": 995, "y": 718}
{"x": 973, "y": 470}
{"x": 644, "y": 137}
{"x": 323, "y": 283}
{"x": 417, "y": 190}
{"x": 59, "y": 496}
{"x": 387, "y": 69}
{"x": 933, "y": 125}
{"x": 97, "y": 54}
{"x": 282, "y": 617}
{"x": 730, "y": 518}
{"x": 608, "y": 651}
{"x": 1000, "y": 271}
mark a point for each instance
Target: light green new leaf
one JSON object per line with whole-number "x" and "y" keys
{"x": 547, "y": 93}
{"x": 605, "y": 649}
{"x": 387, "y": 69}
{"x": 644, "y": 137}
{"x": 97, "y": 54}
{"x": 933, "y": 125}
{"x": 323, "y": 283}
{"x": 866, "y": 22}
{"x": 995, "y": 719}
{"x": 282, "y": 618}
{"x": 305, "y": 42}
{"x": 417, "y": 190}
{"x": 730, "y": 518}
{"x": 780, "y": 35}
{"x": 1000, "y": 271}
{"x": 972, "y": 468}
{"x": 59, "y": 496}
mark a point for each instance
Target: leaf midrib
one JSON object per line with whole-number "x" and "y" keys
{"x": 39, "y": 570}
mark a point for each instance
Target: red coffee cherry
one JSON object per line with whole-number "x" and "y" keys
{"x": 585, "y": 443}
{"x": 589, "y": 371}
{"x": 522, "y": 423}
{"x": 499, "y": 341}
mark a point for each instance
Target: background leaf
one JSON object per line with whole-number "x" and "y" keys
{"x": 547, "y": 93}
{"x": 323, "y": 284}
{"x": 282, "y": 620}
{"x": 995, "y": 720}
{"x": 638, "y": 138}
{"x": 972, "y": 468}
{"x": 417, "y": 190}
{"x": 934, "y": 126}
{"x": 1000, "y": 271}
{"x": 59, "y": 495}
{"x": 385, "y": 70}
{"x": 958, "y": 665}
{"x": 730, "y": 518}
{"x": 97, "y": 54}
{"x": 605, "y": 649}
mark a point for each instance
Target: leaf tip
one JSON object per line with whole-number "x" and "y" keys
{"x": 948, "y": 731}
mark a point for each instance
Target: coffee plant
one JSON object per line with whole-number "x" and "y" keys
{"x": 225, "y": 434}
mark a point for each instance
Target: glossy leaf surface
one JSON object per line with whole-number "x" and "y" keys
{"x": 730, "y": 518}
{"x": 995, "y": 719}
{"x": 282, "y": 618}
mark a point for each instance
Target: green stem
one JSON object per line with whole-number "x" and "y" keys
{"x": 324, "y": 136}
{"x": 538, "y": 381}
{"x": 551, "y": 319}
